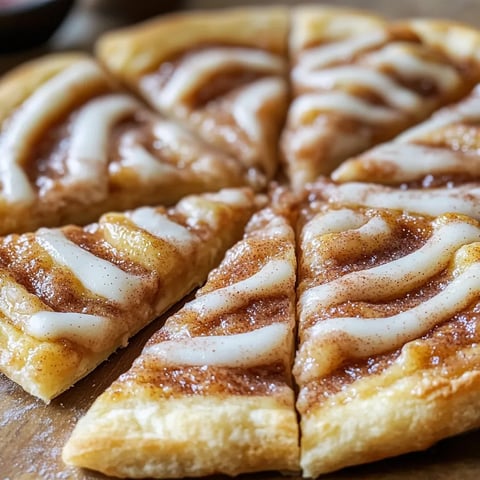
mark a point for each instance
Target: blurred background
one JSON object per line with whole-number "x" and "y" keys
{"x": 25, "y": 25}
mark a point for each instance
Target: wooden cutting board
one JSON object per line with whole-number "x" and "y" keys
{"x": 32, "y": 434}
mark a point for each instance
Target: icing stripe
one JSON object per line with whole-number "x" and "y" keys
{"x": 263, "y": 346}
{"x": 393, "y": 278}
{"x": 147, "y": 167}
{"x": 87, "y": 156}
{"x": 162, "y": 227}
{"x": 362, "y": 337}
{"x": 90, "y": 331}
{"x": 97, "y": 275}
{"x": 340, "y": 51}
{"x": 468, "y": 110}
{"x": 408, "y": 63}
{"x": 196, "y": 69}
{"x": 251, "y": 99}
{"x": 47, "y": 101}
{"x": 342, "y": 102}
{"x": 391, "y": 92}
{"x": 434, "y": 201}
{"x": 333, "y": 221}
{"x": 396, "y": 162}
{"x": 262, "y": 283}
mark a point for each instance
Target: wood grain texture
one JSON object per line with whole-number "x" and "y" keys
{"x": 32, "y": 434}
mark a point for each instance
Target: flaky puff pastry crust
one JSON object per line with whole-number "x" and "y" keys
{"x": 389, "y": 356}
{"x": 405, "y": 409}
{"x": 178, "y": 437}
{"x": 211, "y": 392}
{"x": 44, "y": 347}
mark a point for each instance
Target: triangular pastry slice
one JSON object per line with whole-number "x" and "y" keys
{"x": 358, "y": 81}
{"x": 223, "y": 72}
{"x": 211, "y": 391}
{"x": 72, "y": 296}
{"x": 442, "y": 151}
{"x": 74, "y": 146}
{"x": 389, "y": 333}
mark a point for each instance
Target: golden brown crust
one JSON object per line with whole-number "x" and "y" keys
{"x": 383, "y": 418}
{"x": 137, "y": 50}
{"x": 184, "y": 436}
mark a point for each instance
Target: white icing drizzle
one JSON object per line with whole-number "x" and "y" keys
{"x": 362, "y": 337}
{"x": 251, "y": 99}
{"x": 52, "y": 97}
{"x": 343, "y": 102}
{"x": 467, "y": 110}
{"x": 339, "y": 51}
{"x": 196, "y": 69}
{"x": 265, "y": 281}
{"x": 393, "y": 93}
{"x": 235, "y": 197}
{"x": 161, "y": 226}
{"x": 402, "y": 58}
{"x": 332, "y": 221}
{"x": 90, "y": 331}
{"x": 396, "y": 277}
{"x": 97, "y": 275}
{"x": 261, "y": 346}
{"x": 435, "y": 201}
{"x": 87, "y": 156}
{"x": 409, "y": 162}
{"x": 146, "y": 166}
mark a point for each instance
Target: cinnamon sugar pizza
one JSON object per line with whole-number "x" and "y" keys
{"x": 359, "y": 80}
{"x": 222, "y": 72}
{"x": 378, "y": 321}
{"x": 389, "y": 356}
{"x": 73, "y": 146}
{"x": 71, "y": 296}
{"x": 211, "y": 391}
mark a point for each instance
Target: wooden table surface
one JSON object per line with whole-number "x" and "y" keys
{"x": 32, "y": 434}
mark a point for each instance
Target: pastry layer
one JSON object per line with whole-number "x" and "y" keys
{"x": 73, "y": 146}
{"x": 222, "y": 72}
{"x": 388, "y": 360}
{"x": 211, "y": 392}
{"x": 72, "y": 296}
{"x": 358, "y": 80}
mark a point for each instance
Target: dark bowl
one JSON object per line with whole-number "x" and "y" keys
{"x": 28, "y": 23}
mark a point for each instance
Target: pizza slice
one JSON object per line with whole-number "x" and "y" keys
{"x": 72, "y": 296}
{"x": 389, "y": 333}
{"x": 442, "y": 151}
{"x": 74, "y": 146}
{"x": 211, "y": 391}
{"x": 222, "y": 72}
{"x": 358, "y": 81}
